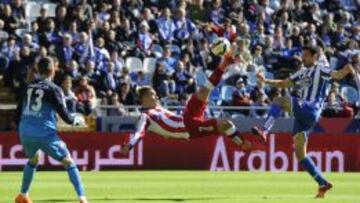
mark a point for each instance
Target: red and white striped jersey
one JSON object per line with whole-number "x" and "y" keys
{"x": 162, "y": 122}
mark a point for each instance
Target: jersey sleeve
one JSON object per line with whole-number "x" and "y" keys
{"x": 60, "y": 107}
{"x": 140, "y": 130}
{"x": 296, "y": 76}
{"x": 325, "y": 71}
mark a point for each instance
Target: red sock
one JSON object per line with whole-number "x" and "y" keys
{"x": 216, "y": 76}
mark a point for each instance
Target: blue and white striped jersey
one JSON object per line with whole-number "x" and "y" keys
{"x": 312, "y": 82}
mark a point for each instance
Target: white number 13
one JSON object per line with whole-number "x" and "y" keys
{"x": 39, "y": 94}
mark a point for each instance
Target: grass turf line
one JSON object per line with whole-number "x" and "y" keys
{"x": 183, "y": 186}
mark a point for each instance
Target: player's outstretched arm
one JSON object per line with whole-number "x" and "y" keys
{"x": 275, "y": 83}
{"x": 139, "y": 134}
{"x": 340, "y": 74}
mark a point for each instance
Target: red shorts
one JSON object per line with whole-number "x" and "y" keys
{"x": 194, "y": 120}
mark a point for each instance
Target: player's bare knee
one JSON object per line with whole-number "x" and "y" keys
{"x": 226, "y": 127}
{"x": 35, "y": 159}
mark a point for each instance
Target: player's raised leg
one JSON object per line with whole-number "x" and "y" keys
{"x": 300, "y": 141}
{"x": 279, "y": 104}
{"x": 196, "y": 106}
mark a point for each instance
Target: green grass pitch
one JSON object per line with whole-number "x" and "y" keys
{"x": 184, "y": 186}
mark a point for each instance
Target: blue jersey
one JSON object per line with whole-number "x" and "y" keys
{"x": 36, "y": 112}
{"x": 312, "y": 83}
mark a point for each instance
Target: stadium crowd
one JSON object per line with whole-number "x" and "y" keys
{"x": 97, "y": 46}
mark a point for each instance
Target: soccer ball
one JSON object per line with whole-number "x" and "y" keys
{"x": 220, "y": 46}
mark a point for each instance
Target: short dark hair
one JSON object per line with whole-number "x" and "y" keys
{"x": 312, "y": 49}
{"x": 143, "y": 91}
{"x": 45, "y": 66}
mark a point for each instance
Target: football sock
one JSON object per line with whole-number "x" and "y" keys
{"x": 273, "y": 114}
{"x": 75, "y": 179}
{"x": 28, "y": 175}
{"x": 215, "y": 78}
{"x": 310, "y": 167}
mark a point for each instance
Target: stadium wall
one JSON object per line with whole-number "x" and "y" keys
{"x": 100, "y": 151}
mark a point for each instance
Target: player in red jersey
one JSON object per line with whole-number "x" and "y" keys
{"x": 192, "y": 124}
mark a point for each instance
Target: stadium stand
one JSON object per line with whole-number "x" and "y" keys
{"x": 111, "y": 47}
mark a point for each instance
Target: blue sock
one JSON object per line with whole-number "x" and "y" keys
{"x": 75, "y": 179}
{"x": 273, "y": 114}
{"x": 310, "y": 167}
{"x": 29, "y": 171}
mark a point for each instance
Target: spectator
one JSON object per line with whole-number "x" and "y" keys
{"x": 126, "y": 96}
{"x": 161, "y": 81}
{"x": 9, "y": 49}
{"x": 18, "y": 11}
{"x": 90, "y": 73}
{"x": 41, "y": 21}
{"x": 240, "y": 97}
{"x": 28, "y": 42}
{"x": 69, "y": 95}
{"x": 108, "y": 85}
{"x": 217, "y": 13}
{"x": 185, "y": 28}
{"x": 168, "y": 61}
{"x": 50, "y": 37}
{"x": 183, "y": 80}
{"x": 61, "y": 19}
{"x": 262, "y": 101}
{"x": 11, "y": 22}
{"x": 3, "y": 34}
{"x": 166, "y": 27}
{"x": 65, "y": 52}
{"x": 86, "y": 97}
{"x": 144, "y": 39}
{"x": 258, "y": 91}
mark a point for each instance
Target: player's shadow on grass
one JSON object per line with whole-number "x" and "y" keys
{"x": 138, "y": 199}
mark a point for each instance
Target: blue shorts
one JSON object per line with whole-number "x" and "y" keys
{"x": 52, "y": 146}
{"x": 306, "y": 115}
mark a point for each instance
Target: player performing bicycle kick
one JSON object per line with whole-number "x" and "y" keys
{"x": 192, "y": 124}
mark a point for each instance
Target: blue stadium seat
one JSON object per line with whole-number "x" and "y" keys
{"x": 226, "y": 92}
{"x": 215, "y": 95}
{"x": 157, "y": 49}
{"x": 350, "y": 93}
{"x": 134, "y": 64}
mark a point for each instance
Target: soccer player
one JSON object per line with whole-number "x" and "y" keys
{"x": 36, "y": 118}
{"x": 192, "y": 123}
{"x": 311, "y": 81}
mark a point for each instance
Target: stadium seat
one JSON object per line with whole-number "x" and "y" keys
{"x": 157, "y": 50}
{"x": 226, "y": 92}
{"x": 150, "y": 65}
{"x": 51, "y": 8}
{"x": 215, "y": 95}
{"x": 350, "y": 94}
{"x": 20, "y": 32}
{"x": 33, "y": 10}
{"x": 134, "y": 64}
